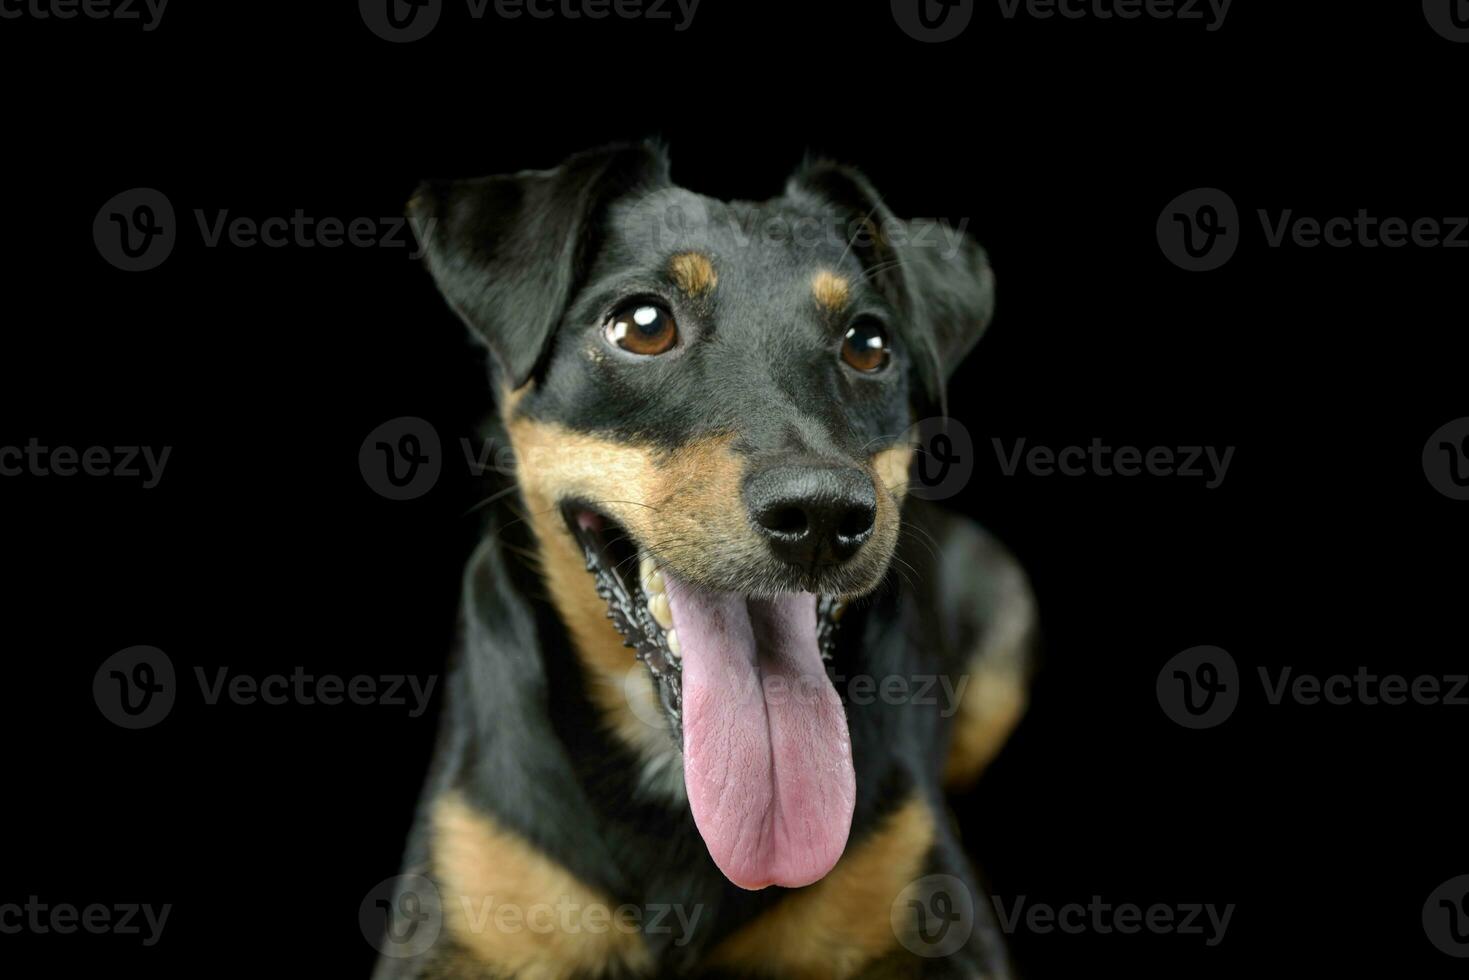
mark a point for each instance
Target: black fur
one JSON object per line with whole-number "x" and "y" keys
{"x": 534, "y": 263}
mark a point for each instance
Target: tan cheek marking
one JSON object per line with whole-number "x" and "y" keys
{"x": 500, "y": 898}
{"x": 701, "y": 523}
{"x": 831, "y": 290}
{"x": 552, "y": 462}
{"x": 891, "y": 466}
{"x": 693, "y": 273}
{"x": 677, "y": 503}
{"x": 838, "y": 925}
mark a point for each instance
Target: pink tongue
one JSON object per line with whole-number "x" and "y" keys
{"x": 767, "y": 757}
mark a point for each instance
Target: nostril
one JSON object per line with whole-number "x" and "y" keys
{"x": 788, "y": 520}
{"x": 856, "y": 523}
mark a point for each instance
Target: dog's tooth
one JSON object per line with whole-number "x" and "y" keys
{"x": 837, "y": 609}
{"x": 649, "y": 575}
{"x": 671, "y": 636}
{"x": 662, "y": 613}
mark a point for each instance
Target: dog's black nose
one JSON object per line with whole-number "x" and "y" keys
{"x": 812, "y": 514}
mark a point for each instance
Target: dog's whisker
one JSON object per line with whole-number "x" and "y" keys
{"x": 498, "y": 495}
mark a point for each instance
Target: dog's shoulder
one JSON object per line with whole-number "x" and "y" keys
{"x": 979, "y": 613}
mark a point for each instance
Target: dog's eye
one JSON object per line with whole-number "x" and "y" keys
{"x": 866, "y": 346}
{"x": 642, "y": 328}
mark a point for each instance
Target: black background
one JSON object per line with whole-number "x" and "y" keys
{"x": 1059, "y": 142}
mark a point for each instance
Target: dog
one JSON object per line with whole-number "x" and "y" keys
{"x": 683, "y": 733}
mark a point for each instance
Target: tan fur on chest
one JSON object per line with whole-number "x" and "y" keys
{"x": 834, "y": 928}
{"x": 520, "y": 913}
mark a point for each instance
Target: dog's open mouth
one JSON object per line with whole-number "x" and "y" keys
{"x": 743, "y": 680}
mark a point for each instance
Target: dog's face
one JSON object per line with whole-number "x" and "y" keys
{"x": 709, "y": 404}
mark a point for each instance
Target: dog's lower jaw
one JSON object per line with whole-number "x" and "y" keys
{"x": 640, "y": 607}
{"x": 617, "y": 686}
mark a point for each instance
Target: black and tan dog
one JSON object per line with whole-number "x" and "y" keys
{"x": 699, "y": 723}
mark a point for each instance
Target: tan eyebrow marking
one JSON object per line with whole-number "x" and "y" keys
{"x": 693, "y": 273}
{"x": 831, "y": 290}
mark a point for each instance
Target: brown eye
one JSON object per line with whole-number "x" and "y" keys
{"x": 642, "y": 328}
{"x": 866, "y": 346}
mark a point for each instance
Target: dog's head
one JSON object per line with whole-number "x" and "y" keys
{"x": 710, "y": 405}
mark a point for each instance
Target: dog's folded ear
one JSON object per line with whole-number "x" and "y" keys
{"x": 937, "y": 276}
{"x": 508, "y": 251}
